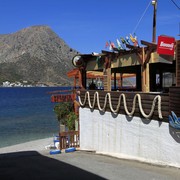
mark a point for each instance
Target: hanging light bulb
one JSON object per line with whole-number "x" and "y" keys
{"x": 153, "y": 2}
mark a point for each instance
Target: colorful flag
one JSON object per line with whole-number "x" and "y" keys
{"x": 113, "y": 45}
{"x": 110, "y": 47}
{"x": 127, "y": 40}
{"x": 134, "y": 40}
{"x": 119, "y": 44}
{"x": 107, "y": 44}
{"x": 123, "y": 40}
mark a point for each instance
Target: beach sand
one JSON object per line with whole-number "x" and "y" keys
{"x": 36, "y": 145}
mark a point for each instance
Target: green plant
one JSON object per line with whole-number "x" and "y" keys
{"x": 65, "y": 114}
{"x": 71, "y": 120}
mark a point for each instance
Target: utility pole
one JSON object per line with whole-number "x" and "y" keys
{"x": 154, "y": 3}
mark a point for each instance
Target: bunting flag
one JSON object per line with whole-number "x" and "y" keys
{"x": 119, "y": 44}
{"x": 123, "y": 40}
{"x": 134, "y": 40}
{"x": 106, "y": 45}
{"x": 127, "y": 40}
{"x": 112, "y": 45}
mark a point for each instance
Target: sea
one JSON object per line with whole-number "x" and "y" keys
{"x": 26, "y": 114}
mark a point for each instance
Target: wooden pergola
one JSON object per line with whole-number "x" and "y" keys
{"x": 144, "y": 63}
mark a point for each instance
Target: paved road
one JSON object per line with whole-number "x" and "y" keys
{"x": 78, "y": 165}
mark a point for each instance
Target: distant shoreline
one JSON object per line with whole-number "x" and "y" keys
{"x": 12, "y": 85}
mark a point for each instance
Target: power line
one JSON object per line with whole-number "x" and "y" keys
{"x": 175, "y": 4}
{"x": 141, "y": 18}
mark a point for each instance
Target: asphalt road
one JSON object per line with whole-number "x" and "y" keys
{"x": 78, "y": 165}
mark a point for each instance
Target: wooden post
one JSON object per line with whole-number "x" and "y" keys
{"x": 107, "y": 74}
{"x": 82, "y": 78}
{"x": 145, "y": 74}
{"x": 121, "y": 80}
{"x": 107, "y": 79}
{"x": 115, "y": 81}
{"x": 154, "y": 21}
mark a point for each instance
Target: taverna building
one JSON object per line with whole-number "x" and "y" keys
{"x": 137, "y": 121}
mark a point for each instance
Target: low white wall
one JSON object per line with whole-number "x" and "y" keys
{"x": 129, "y": 138}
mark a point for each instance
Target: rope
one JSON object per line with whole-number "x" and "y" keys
{"x": 122, "y": 97}
{"x": 141, "y": 17}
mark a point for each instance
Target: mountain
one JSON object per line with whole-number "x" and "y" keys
{"x": 35, "y": 54}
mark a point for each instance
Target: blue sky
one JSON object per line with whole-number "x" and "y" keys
{"x": 87, "y": 25}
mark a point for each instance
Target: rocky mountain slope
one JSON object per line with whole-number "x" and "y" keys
{"x": 35, "y": 54}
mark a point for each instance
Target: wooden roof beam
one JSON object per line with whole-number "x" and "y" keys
{"x": 149, "y": 44}
{"x": 151, "y": 47}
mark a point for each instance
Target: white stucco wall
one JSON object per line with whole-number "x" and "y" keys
{"x": 130, "y": 138}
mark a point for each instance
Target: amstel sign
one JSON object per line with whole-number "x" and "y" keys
{"x": 166, "y": 45}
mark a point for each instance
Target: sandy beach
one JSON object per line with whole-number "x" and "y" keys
{"x": 36, "y": 145}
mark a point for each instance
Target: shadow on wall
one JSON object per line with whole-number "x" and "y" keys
{"x": 175, "y": 133}
{"x": 32, "y": 165}
{"x": 129, "y": 119}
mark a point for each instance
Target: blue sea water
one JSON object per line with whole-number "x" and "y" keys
{"x": 27, "y": 114}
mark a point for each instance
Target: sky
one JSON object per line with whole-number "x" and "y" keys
{"x": 86, "y": 25}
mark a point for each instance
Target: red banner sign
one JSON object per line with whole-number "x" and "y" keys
{"x": 62, "y": 98}
{"x": 166, "y": 45}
